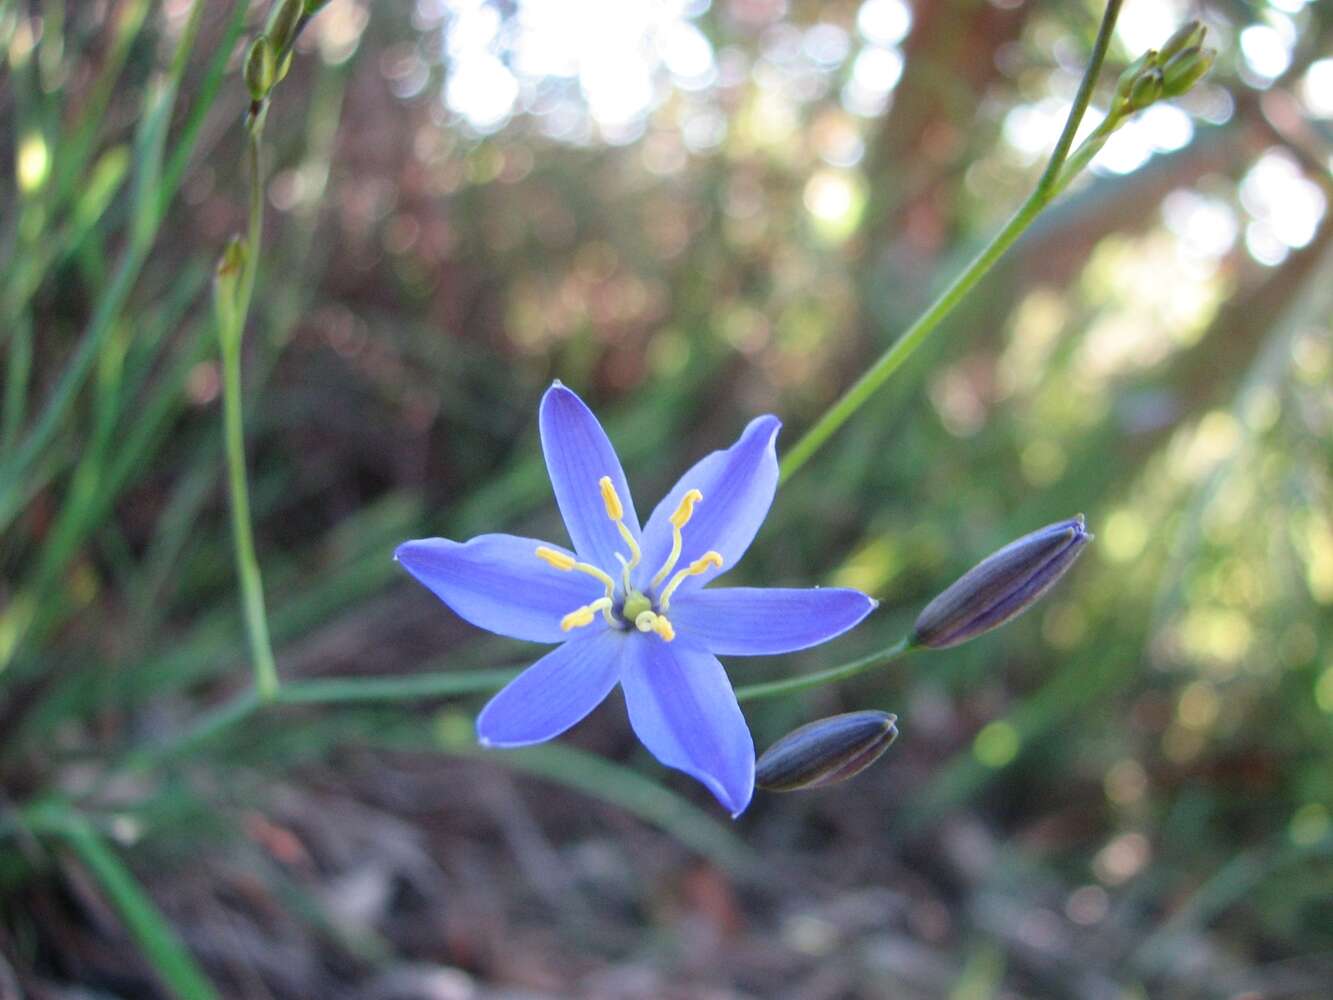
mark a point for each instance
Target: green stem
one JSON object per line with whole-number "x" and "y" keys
{"x": 1053, "y": 180}
{"x": 774, "y": 689}
{"x": 230, "y": 332}
{"x": 373, "y": 690}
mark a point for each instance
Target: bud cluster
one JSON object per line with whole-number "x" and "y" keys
{"x": 1166, "y": 72}
{"x": 270, "y": 55}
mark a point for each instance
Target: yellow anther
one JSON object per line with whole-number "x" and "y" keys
{"x": 559, "y": 560}
{"x": 650, "y": 622}
{"x": 576, "y": 619}
{"x": 686, "y": 509}
{"x": 615, "y": 510}
{"x": 703, "y": 564}
{"x": 584, "y": 615}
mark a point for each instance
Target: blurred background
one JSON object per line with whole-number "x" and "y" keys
{"x": 691, "y": 213}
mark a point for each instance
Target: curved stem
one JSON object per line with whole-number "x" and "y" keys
{"x": 773, "y": 689}
{"x": 230, "y": 333}
{"x": 1053, "y": 180}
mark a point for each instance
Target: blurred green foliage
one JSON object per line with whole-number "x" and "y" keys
{"x": 456, "y": 217}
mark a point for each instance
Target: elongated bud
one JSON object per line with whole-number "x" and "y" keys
{"x": 284, "y": 64}
{"x": 313, "y": 7}
{"x": 260, "y": 68}
{"x": 1146, "y": 89}
{"x": 1188, "y": 35}
{"x": 825, "y": 751}
{"x": 282, "y": 24}
{"x": 1125, "y": 83}
{"x": 1185, "y": 69}
{"x": 1001, "y": 586}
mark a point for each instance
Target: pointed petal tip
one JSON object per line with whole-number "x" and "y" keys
{"x": 405, "y": 550}
{"x": 558, "y": 389}
{"x": 771, "y": 423}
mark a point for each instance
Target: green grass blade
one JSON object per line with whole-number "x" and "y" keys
{"x": 162, "y": 947}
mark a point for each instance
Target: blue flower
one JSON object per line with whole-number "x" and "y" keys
{"x": 628, "y": 604}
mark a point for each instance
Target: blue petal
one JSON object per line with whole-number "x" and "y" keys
{"x": 752, "y": 621}
{"x": 497, "y": 583}
{"x": 578, "y": 455}
{"x": 554, "y": 693}
{"x": 683, "y": 709}
{"x": 737, "y": 486}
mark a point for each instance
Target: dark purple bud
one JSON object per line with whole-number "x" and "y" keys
{"x": 1001, "y": 586}
{"x": 825, "y": 751}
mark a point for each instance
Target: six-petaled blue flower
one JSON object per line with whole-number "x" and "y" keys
{"x": 629, "y": 604}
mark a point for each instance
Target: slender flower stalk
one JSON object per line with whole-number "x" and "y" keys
{"x": 266, "y": 63}
{"x": 1053, "y": 180}
{"x": 233, "y": 289}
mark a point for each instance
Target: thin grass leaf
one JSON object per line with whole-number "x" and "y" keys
{"x": 162, "y": 947}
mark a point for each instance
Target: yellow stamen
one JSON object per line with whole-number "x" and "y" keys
{"x": 584, "y": 615}
{"x": 560, "y": 560}
{"x": 703, "y": 564}
{"x": 686, "y": 509}
{"x": 679, "y": 519}
{"x": 650, "y": 622}
{"x": 635, "y": 553}
{"x": 614, "y": 509}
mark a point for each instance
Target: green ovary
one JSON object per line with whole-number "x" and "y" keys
{"x": 635, "y": 605}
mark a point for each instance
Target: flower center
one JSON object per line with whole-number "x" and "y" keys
{"x": 636, "y": 609}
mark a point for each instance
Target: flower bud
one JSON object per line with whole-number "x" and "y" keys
{"x": 282, "y": 24}
{"x": 1001, "y": 586}
{"x": 284, "y": 64}
{"x": 1131, "y": 74}
{"x": 1145, "y": 90}
{"x": 825, "y": 751}
{"x": 259, "y": 69}
{"x": 1183, "y": 70}
{"x": 1188, "y": 35}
